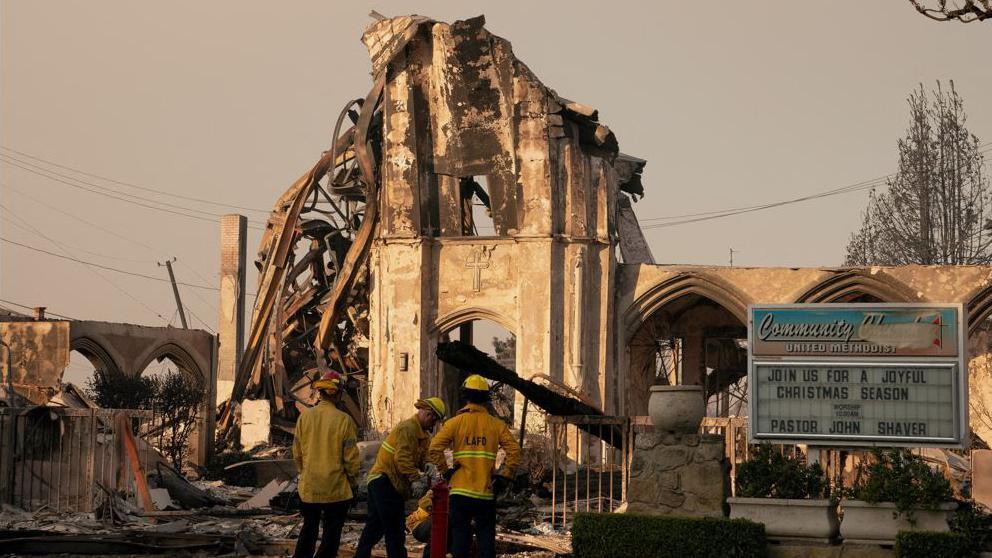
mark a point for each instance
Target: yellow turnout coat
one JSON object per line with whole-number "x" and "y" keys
{"x": 326, "y": 454}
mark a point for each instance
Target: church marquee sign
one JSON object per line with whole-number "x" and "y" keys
{"x": 858, "y": 374}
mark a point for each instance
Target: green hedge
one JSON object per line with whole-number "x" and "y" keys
{"x": 931, "y": 544}
{"x": 606, "y": 535}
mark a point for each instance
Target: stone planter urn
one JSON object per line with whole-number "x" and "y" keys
{"x": 875, "y": 524}
{"x": 787, "y": 519}
{"x": 677, "y": 408}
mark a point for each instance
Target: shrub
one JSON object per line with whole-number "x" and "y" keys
{"x": 177, "y": 401}
{"x": 241, "y": 476}
{"x": 604, "y": 535}
{"x": 770, "y": 474}
{"x": 114, "y": 390}
{"x": 974, "y": 522}
{"x": 900, "y": 477}
{"x": 174, "y": 396}
{"x": 931, "y": 544}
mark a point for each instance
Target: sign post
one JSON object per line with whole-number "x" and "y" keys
{"x": 845, "y": 375}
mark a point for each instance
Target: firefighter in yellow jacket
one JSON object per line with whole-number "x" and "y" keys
{"x": 398, "y": 464}
{"x": 474, "y": 436}
{"x": 419, "y": 522}
{"x": 326, "y": 455}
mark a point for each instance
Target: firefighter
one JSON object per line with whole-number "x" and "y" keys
{"x": 326, "y": 454}
{"x": 397, "y": 465}
{"x": 418, "y": 523}
{"x": 474, "y": 437}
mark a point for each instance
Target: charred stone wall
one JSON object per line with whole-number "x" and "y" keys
{"x": 466, "y": 122}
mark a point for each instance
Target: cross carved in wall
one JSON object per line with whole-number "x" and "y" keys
{"x": 478, "y": 261}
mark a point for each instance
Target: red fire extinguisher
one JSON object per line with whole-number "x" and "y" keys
{"x": 439, "y": 520}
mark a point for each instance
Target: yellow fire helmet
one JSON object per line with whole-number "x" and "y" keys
{"x": 434, "y": 404}
{"x": 329, "y": 382}
{"x": 476, "y": 382}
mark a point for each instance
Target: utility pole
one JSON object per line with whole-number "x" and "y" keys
{"x": 175, "y": 291}
{"x": 732, "y": 257}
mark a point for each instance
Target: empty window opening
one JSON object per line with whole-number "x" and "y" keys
{"x": 477, "y": 218}
{"x": 493, "y": 339}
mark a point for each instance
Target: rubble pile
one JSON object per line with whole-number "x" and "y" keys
{"x": 214, "y": 517}
{"x": 249, "y": 522}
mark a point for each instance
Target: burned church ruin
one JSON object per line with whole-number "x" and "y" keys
{"x": 462, "y": 188}
{"x": 377, "y": 253}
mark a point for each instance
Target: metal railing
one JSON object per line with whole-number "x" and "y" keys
{"x": 67, "y": 459}
{"x": 598, "y": 482}
{"x": 735, "y": 446}
{"x": 582, "y": 459}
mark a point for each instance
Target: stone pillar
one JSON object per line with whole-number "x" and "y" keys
{"x": 678, "y": 474}
{"x": 231, "y": 325}
{"x": 398, "y": 343}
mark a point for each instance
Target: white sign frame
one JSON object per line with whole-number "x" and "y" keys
{"x": 958, "y": 364}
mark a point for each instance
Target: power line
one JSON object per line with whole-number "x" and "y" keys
{"x": 172, "y": 318}
{"x": 113, "y": 233}
{"x": 720, "y": 214}
{"x": 66, "y": 256}
{"x": 76, "y": 248}
{"x": 130, "y": 184}
{"x": 11, "y": 302}
{"x": 842, "y": 190}
{"x": 104, "y": 267}
{"x": 42, "y": 171}
{"x": 192, "y": 313}
{"x": 211, "y": 305}
{"x": 82, "y": 185}
{"x": 729, "y": 213}
{"x": 114, "y": 269}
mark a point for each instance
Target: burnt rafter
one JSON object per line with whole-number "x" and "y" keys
{"x": 311, "y": 313}
{"x": 464, "y": 356}
{"x": 332, "y": 210}
{"x": 452, "y": 117}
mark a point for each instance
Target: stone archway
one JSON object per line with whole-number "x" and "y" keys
{"x": 94, "y": 352}
{"x": 176, "y": 354}
{"x": 856, "y": 285}
{"x": 461, "y": 325}
{"x": 687, "y": 329}
{"x": 979, "y": 308}
{"x": 202, "y": 439}
{"x": 464, "y": 315}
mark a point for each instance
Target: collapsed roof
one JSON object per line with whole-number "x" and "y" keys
{"x": 475, "y": 109}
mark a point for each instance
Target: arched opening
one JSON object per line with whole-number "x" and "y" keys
{"x": 689, "y": 340}
{"x": 81, "y": 370}
{"x": 171, "y": 358}
{"x": 86, "y": 357}
{"x": 979, "y": 310}
{"x": 489, "y": 336}
{"x": 858, "y": 286}
{"x": 854, "y": 286}
{"x": 180, "y": 404}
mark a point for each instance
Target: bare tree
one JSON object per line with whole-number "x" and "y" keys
{"x": 965, "y": 10}
{"x": 937, "y": 209}
{"x": 506, "y": 351}
{"x": 178, "y": 400}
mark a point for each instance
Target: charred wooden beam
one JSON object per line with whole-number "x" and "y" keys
{"x": 466, "y": 357}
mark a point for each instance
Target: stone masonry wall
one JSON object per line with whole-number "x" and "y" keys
{"x": 678, "y": 474}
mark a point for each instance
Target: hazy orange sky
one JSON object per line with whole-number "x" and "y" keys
{"x": 732, "y": 104}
